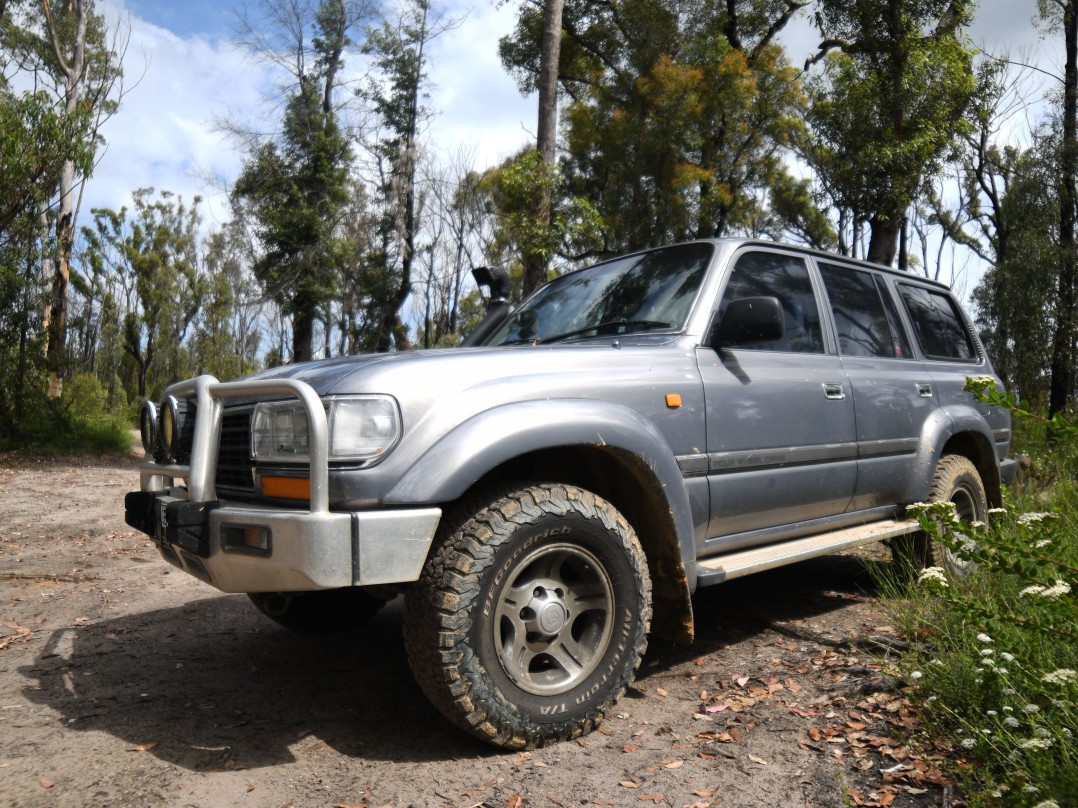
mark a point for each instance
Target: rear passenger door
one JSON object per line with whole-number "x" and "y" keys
{"x": 893, "y": 392}
{"x": 780, "y": 417}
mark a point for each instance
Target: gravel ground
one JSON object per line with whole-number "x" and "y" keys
{"x": 124, "y": 682}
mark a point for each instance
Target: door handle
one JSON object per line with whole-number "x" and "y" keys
{"x": 924, "y": 390}
{"x": 834, "y": 392}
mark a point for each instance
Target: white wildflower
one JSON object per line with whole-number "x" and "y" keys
{"x": 1063, "y": 677}
{"x": 1031, "y": 789}
{"x": 1042, "y": 543}
{"x": 1031, "y": 591}
{"x": 1056, "y": 592}
{"x": 1011, "y": 721}
{"x": 969, "y": 743}
{"x": 1007, "y": 657}
{"x": 1003, "y": 671}
{"x": 991, "y": 712}
{"x": 987, "y": 652}
{"x": 1035, "y": 743}
{"x": 1067, "y": 733}
{"x": 1041, "y": 732}
{"x": 1009, "y": 709}
{"x": 934, "y": 574}
{"x": 916, "y": 675}
{"x": 1009, "y": 691}
{"x": 1047, "y": 804}
{"x": 1031, "y": 518}
{"x": 984, "y": 638}
{"x": 937, "y": 662}
{"x": 997, "y": 510}
{"x": 931, "y": 699}
{"x": 1032, "y": 708}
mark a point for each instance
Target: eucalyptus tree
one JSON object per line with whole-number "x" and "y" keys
{"x": 1063, "y": 15}
{"x": 679, "y": 113}
{"x": 296, "y": 182}
{"x": 399, "y": 51}
{"x": 152, "y": 252}
{"x": 897, "y": 78}
{"x": 74, "y": 60}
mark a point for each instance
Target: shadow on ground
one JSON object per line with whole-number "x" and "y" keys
{"x": 214, "y": 685}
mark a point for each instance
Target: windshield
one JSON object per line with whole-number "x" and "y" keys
{"x": 648, "y": 291}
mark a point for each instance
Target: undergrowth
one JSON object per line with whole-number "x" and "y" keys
{"x": 995, "y": 659}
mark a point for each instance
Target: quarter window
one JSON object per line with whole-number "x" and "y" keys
{"x": 785, "y": 278}
{"x": 938, "y": 325}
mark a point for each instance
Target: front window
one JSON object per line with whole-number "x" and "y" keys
{"x": 651, "y": 291}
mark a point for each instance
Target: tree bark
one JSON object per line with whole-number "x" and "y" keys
{"x": 535, "y": 265}
{"x": 73, "y": 70}
{"x": 1063, "y": 342}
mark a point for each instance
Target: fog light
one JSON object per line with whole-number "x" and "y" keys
{"x": 246, "y": 539}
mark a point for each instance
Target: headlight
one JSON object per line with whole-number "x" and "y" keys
{"x": 360, "y": 428}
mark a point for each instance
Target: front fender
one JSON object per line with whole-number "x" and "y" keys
{"x": 493, "y": 437}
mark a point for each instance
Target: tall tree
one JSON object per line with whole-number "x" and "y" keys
{"x": 399, "y": 48}
{"x": 297, "y": 184}
{"x": 897, "y": 79}
{"x": 1065, "y": 338}
{"x": 535, "y": 263}
{"x": 69, "y": 50}
{"x": 153, "y": 251}
{"x": 678, "y": 114}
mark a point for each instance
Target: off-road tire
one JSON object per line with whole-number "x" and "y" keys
{"x": 956, "y": 480}
{"x": 328, "y": 611}
{"x": 516, "y": 573}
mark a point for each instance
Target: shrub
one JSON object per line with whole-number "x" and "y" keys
{"x": 996, "y": 667}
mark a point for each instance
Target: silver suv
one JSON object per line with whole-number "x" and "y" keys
{"x": 662, "y": 421}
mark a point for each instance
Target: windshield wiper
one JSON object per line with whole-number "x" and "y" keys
{"x": 599, "y": 327}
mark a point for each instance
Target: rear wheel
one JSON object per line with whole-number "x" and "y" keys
{"x": 324, "y": 612}
{"x": 531, "y": 615}
{"x": 957, "y": 481}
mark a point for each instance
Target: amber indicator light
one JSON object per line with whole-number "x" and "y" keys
{"x": 673, "y": 400}
{"x": 286, "y": 487}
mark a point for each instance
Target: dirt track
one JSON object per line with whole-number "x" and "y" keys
{"x": 123, "y": 682}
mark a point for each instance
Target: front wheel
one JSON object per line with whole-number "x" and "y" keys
{"x": 957, "y": 481}
{"x": 531, "y": 615}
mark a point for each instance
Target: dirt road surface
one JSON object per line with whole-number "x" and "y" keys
{"x": 124, "y": 682}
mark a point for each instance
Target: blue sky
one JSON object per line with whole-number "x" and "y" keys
{"x": 183, "y": 71}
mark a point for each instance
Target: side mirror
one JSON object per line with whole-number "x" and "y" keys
{"x": 747, "y": 320}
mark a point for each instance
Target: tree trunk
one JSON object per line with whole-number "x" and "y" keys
{"x": 535, "y": 265}
{"x": 884, "y": 240}
{"x": 74, "y": 76}
{"x": 1063, "y": 342}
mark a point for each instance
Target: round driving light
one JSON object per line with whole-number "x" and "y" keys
{"x": 147, "y": 422}
{"x": 166, "y": 428}
{"x": 177, "y": 428}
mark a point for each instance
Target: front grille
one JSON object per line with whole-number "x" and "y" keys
{"x": 235, "y": 469}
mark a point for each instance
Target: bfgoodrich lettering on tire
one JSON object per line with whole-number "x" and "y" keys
{"x": 531, "y": 615}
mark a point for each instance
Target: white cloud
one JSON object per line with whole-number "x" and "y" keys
{"x": 164, "y": 133}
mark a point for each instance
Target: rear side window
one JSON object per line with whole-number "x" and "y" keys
{"x": 864, "y": 327}
{"x": 786, "y": 278}
{"x": 938, "y": 325}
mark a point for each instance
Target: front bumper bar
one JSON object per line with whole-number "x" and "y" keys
{"x": 246, "y": 548}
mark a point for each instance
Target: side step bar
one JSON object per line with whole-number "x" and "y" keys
{"x": 717, "y": 569}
